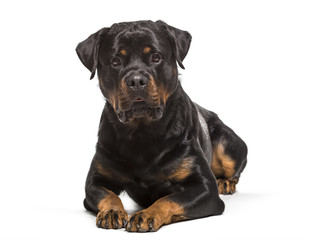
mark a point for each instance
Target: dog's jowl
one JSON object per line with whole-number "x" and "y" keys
{"x": 170, "y": 155}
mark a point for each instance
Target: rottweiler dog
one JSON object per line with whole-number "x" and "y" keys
{"x": 170, "y": 155}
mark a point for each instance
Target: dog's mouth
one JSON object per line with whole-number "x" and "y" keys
{"x": 140, "y": 109}
{"x": 139, "y": 99}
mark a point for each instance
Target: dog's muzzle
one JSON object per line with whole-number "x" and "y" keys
{"x": 140, "y": 110}
{"x": 139, "y": 97}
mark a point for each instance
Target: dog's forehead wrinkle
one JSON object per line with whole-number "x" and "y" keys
{"x": 134, "y": 37}
{"x": 133, "y": 25}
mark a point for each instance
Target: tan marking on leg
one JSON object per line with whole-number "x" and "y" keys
{"x": 111, "y": 212}
{"x": 110, "y": 201}
{"x": 226, "y": 186}
{"x": 109, "y": 174}
{"x": 222, "y": 165}
{"x": 183, "y": 171}
{"x": 216, "y": 165}
{"x": 163, "y": 211}
{"x": 102, "y": 171}
{"x": 167, "y": 210}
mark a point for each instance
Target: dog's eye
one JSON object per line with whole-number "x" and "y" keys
{"x": 155, "y": 58}
{"x": 116, "y": 62}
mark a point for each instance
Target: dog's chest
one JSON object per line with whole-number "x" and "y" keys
{"x": 147, "y": 162}
{"x": 144, "y": 167}
{"x": 142, "y": 170}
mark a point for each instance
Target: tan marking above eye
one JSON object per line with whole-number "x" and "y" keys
{"x": 146, "y": 50}
{"x": 123, "y": 52}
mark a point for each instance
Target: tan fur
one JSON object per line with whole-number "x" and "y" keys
{"x": 163, "y": 94}
{"x": 110, "y": 175}
{"x": 163, "y": 211}
{"x": 146, "y": 50}
{"x": 103, "y": 171}
{"x": 183, "y": 171}
{"x": 223, "y": 167}
{"x": 110, "y": 202}
{"x": 152, "y": 90}
{"x": 110, "y": 206}
{"x": 123, "y": 52}
{"x": 226, "y": 186}
{"x": 222, "y": 164}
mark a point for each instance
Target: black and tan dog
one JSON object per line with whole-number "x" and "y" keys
{"x": 170, "y": 155}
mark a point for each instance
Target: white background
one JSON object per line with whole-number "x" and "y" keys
{"x": 250, "y": 61}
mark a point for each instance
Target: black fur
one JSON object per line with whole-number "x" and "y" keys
{"x": 142, "y": 142}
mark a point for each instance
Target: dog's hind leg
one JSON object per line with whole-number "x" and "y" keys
{"x": 229, "y": 153}
{"x": 229, "y": 156}
{"x": 227, "y": 165}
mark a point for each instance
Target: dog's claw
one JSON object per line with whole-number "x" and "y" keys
{"x": 124, "y": 223}
{"x": 99, "y": 223}
{"x": 111, "y": 219}
{"x": 129, "y": 226}
{"x": 150, "y": 226}
{"x": 143, "y": 222}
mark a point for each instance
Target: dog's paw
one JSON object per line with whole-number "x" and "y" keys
{"x": 144, "y": 221}
{"x": 226, "y": 186}
{"x": 112, "y": 219}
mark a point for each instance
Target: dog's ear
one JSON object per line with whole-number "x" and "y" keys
{"x": 88, "y": 50}
{"x": 180, "y": 41}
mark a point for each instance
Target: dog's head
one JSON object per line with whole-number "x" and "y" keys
{"x": 136, "y": 65}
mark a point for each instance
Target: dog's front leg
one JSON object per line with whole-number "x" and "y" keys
{"x": 106, "y": 203}
{"x": 111, "y": 212}
{"x": 195, "y": 201}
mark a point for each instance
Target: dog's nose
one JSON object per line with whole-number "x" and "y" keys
{"x": 136, "y": 81}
